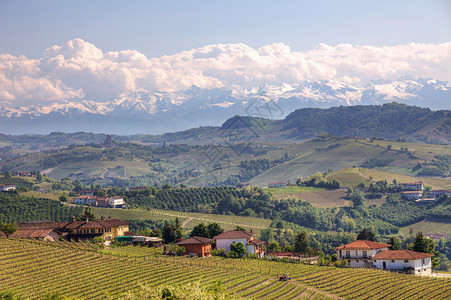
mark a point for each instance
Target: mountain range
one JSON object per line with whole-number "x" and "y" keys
{"x": 146, "y": 112}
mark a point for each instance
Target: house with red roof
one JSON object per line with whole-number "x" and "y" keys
{"x": 253, "y": 246}
{"x": 359, "y": 253}
{"x": 406, "y": 261}
{"x": 197, "y": 246}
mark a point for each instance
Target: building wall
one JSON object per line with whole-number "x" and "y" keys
{"x": 225, "y": 243}
{"x": 419, "y": 267}
{"x": 358, "y": 254}
{"x": 200, "y": 250}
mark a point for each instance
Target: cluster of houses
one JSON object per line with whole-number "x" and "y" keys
{"x": 87, "y": 198}
{"x": 368, "y": 254}
{"x": 200, "y": 246}
{"x": 6, "y": 187}
{"x": 73, "y": 230}
{"x": 416, "y": 192}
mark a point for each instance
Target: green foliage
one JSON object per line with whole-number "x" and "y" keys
{"x": 319, "y": 180}
{"x": 266, "y": 234}
{"x": 239, "y": 228}
{"x": 237, "y": 250}
{"x": 395, "y": 244}
{"x": 17, "y": 208}
{"x": 214, "y": 229}
{"x": 425, "y": 245}
{"x": 273, "y": 247}
{"x": 367, "y": 234}
{"x": 200, "y": 230}
{"x": 169, "y": 233}
{"x": 9, "y": 295}
{"x": 8, "y": 228}
{"x": 357, "y": 199}
{"x": 376, "y": 162}
{"x": 302, "y": 242}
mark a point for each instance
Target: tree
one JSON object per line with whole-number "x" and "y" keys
{"x": 214, "y": 229}
{"x": 266, "y": 234}
{"x": 7, "y": 175}
{"x": 200, "y": 230}
{"x": 239, "y": 228}
{"x": 425, "y": 245}
{"x": 63, "y": 198}
{"x": 274, "y": 247}
{"x": 38, "y": 176}
{"x": 367, "y": 234}
{"x": 301, "y": 242}
{"x": 238, "y": 249}
{"x": 87, "y": 214}
{"x": 395, "y": 244}
{"x": 389, "y": 147}
{"x": 357, "y": 198}
{"x": 8, "y": 228}
{"x": 178, "y": 228}
{"x": 169, "y": 233}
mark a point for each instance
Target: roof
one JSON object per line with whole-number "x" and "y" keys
{"x": 32, "y": 233}
{"x": 41, "y": 225}
{"x": 362, "y": 244}
{"x": 256, "y": 242}
{"x": 234, "y": 234}
{"x": 109, "y": 223}
{"x": 401, "y": 254}
{"x": 117, "y": 197}
{"x": 195, "y": 240}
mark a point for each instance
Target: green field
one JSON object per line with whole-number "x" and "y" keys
{"x": 429, "y": 226}
{"x": 189, "y": 220}
{"x": 33, "y": 269}
{"x": 351, "y": 177}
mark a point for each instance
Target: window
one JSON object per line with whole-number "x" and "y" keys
{"x": 348, "y": 254}
{"x": 406, "y": 261}
{"x": 357, "y": 253}
{"x": 392, "y": 261}
{"x": 423, "y": 262}
{"x": 364, "y": 253}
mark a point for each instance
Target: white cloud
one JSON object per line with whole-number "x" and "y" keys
{"x": 79, "y": 69}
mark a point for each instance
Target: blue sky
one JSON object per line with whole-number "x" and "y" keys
{"x": 157, "y": 28}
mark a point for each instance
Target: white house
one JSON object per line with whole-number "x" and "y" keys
{"x": 116, "y": 201}
{"x": 413, "y": 186}
{"x": 407, "y": 261}
{"x": 359, "y": 253}
{"x": 86, "y": 200}
{"x": 413, "y": 195}
{"x": 224, "y": 240}
{"x": 439, "y": 193}
{"x": 5, "y": 187}
{"x": 277, "y": 184}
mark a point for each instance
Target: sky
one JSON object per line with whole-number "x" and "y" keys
{"x": 74, "y": 50}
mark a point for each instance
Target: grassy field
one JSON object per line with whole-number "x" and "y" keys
{"x": 189, "y": 220}
{"x": 319, "y": 197}
{"x": 429, "y": 226}
{"x": 351, "y": 177}
{"x": 34, "y": 269}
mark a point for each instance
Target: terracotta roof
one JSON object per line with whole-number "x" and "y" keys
{"x": 41, "y": 225}
{"x": 117, "y": 197}
{"x": 401, "y": 254}
{"x": 280, "y": 253}
{"x": 234, "y": 234}
{"x": 362, "y": 244}
{"x": 195, "y": 240}
{"x": 96, "y": 224}
{"x": 256, "y": 242}
{"x": 32, "y": 233}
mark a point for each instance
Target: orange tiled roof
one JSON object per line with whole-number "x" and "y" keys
{"x": 362, "y": 244}
{"x": 234, "y": 234}
{"x": 401, "y": 254}
{"x": 195, "y": 240}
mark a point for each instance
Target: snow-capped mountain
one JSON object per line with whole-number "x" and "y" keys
{"x": 159, "y": 112}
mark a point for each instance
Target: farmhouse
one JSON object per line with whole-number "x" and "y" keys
{"x": 42, "y": 234}
{"x": 413, "y": 186}
{"x": 277, "y": 184}
{"x": 113, "y": 202}
{"x": 439, "y": 193}
{"x": 86, "y": 192}
{"x": 224, "y": 240}
{"x": 413, "y": 195}
{"x": 360, "y": 252}
{"x": 406, "y": 261}
{"x": 80, "y": 230}
{"x": 5, "y": 187}
{"x": 197, "y": 246}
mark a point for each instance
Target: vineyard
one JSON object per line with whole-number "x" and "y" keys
{"x": 227, "y": 222}
{"x": 34, "y": 268}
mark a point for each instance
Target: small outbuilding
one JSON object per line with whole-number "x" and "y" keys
{"x": 196, "y": 245}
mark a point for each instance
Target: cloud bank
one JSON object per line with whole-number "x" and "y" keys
{"x": 79, "y": 70}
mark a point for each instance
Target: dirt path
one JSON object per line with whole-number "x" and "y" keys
{"x": 186, "y": 221}
{"x": 103, "y": 174}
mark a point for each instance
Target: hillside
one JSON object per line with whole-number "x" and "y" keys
{"x": 34, "y": 269}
